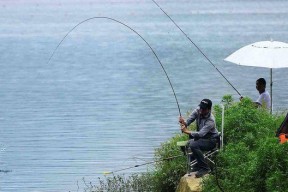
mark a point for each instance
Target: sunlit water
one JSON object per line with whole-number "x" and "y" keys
{"x": 103, "y": 102}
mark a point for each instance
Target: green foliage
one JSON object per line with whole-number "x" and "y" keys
{"x": 272, "y": 166}
{"x": 120, "y": 183}
{"x": 227, "y": 100}
{"x": 168, "y": 173}
{"x": 252, "y": 159}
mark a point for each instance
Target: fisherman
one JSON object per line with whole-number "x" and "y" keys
{"x": 264, "y": 99}
{"x": 204, "y": 139}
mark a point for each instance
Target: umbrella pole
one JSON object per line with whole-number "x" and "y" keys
{"x": 271, "y": 83}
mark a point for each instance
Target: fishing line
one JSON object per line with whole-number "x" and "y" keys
{"x": 198, "y": 48}
{"x": 139, "y": 165}
{"x": 134, "y": 32}
{"x": 210, "y": 63}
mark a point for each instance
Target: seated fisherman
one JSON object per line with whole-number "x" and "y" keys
{"x": 205, "y": 138}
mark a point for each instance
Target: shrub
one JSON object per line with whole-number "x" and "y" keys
{"x": 168, "y": 173}
{"x": 252, "y": 159}
{"x": 121, "y": 183}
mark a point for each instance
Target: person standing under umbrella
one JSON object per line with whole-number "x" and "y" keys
{"x": 264, "y": 99}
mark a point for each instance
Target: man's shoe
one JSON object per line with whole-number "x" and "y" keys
{"x": 202, "y": 172}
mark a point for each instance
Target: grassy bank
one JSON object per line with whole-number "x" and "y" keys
{"x": 251, "y": 160}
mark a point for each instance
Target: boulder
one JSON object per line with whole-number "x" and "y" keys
{"x": 189, "y": 183}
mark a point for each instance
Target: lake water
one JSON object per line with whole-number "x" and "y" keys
{"x": 103, "y": 102}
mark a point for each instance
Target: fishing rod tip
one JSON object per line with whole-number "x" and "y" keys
{"x": 107, "y": 173}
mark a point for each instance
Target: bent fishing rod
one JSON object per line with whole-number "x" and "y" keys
{"x": 197, "y": 48}
{"x": 209, "y": 62}
{"x": 111, "y": 19}
{"x": 139, "y": 165}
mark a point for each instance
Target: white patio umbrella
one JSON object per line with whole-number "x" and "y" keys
{"x": 269, "y": 54}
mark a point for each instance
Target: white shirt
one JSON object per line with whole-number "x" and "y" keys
{"x": 264, "y": 99}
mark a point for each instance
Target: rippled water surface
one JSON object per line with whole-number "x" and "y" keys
{"x": 103, "y": 102}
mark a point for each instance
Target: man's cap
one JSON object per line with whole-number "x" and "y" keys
{"x": 205, "y": 104}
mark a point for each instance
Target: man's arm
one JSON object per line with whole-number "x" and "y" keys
{"x": 258, "y": 102}
{"x": 188, "y": 132}
{"x": 210, "y": 124}
{"x": 192, "y": 117}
